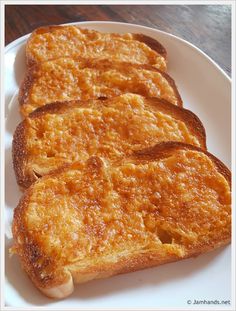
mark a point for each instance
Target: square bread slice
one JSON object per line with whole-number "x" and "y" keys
{"x": 51, "y": 42}
{"x": 66, "y": 79}
{"x": 62, "y": 133}
{"x": 94, "y": 220}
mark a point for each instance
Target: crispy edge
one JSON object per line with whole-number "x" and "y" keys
{"x": 174, "y": 87}
{"x": 24, "y": 176}
{"x": 30, "y": 251}
{"x": 62, "y": 287}
{"x": 166, "y": 149}
{"x": 101, "y": 64}
{"x": 25, "y": 87}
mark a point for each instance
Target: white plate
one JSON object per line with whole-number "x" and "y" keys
{"x": 205, "y": 90}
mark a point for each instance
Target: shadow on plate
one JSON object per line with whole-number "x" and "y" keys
{"x": 20, "y": 281}
{"x": 12, "y": 191}
{"x": 20, "y": 65}
{"x": 13, "y": 117}
{"x": 157, "y": 276}
{"x": 12, "y": 107}
{"x": 121, "y": 283}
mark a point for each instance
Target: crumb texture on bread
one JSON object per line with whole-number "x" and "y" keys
{"x": 61, "y": 133}
{"x": 66, "y": 79}
{"x": 50, "y": 43}
{"x": 94, "y": 220}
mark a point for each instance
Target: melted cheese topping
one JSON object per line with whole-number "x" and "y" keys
{"x": 71, "y": 41}
{"x": 110, "y": 130}
{"x": 68, "y": 79}
{"x": 91, "y": 210}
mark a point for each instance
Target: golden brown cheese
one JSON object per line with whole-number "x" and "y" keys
{"x": 71, "y": 41}
{"x": 111, "y": 129}
{"x": 68, "y": 79}
{"x": 93, "y": 210}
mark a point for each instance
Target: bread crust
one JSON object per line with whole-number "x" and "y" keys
{"x": 30, "y": 77}
{"x": 26, "y": 85}
{"x": 26, "y": 177}
{"x": 31, "y": 251}
{"x": 60, "y": 284}
{"x": 150, "y": 42}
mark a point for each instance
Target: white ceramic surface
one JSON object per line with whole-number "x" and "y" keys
{"x": 205, "y": 89}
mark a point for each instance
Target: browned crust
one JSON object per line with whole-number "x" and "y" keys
{"x": 25, "y": 177}
{"x": 30, "y": 251}
{"x": 19, "y": 152}
{"x": 174, "y": 87}
{"x": 146, "y": 260}
{"x": 150, "y": 42}
{"x": 166, "y": 149}
{"x": 26, "y": 85}
{"x": 29, "y": 78}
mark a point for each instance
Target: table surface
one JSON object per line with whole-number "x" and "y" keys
{"x": 206, "y": 26}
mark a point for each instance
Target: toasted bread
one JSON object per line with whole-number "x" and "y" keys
{"x": 94, "y": 220}
{"x": 66, "y": 79}
{"x": 62, "y": 133}
{"x": 51, "y": 42}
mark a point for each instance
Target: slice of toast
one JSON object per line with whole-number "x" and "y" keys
{"x": 94, "y": 220}
{"x": 61, "y": 133}
{"x": 66, "y": 79}
{"x": 51, "y": 42}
